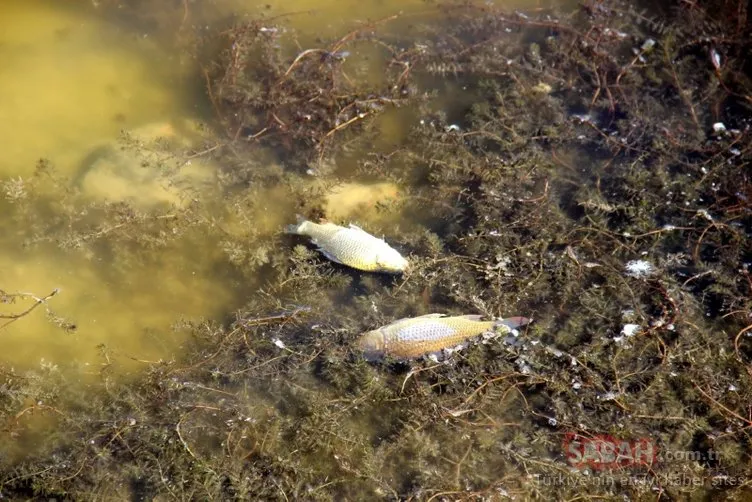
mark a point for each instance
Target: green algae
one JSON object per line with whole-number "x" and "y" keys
{"x": 530, "y": 202}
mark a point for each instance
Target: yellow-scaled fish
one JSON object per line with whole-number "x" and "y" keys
{"x": 416, "y": 336}
{"x": 351, "y": 246}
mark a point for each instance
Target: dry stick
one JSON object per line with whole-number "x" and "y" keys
{"x": 603, "y": 84}
{"x": 204, "y": 152}
{"x": 537, "y": 199}
{"x": 713, "y": 224}
{"x": 458, "y": 465}
{"x": 185, "y": 13}
{"x": 745, "y": 420}
{"x": 180, "y": 436}
{"x": 301, "y": 56}
{"x": 342, "y": 41}
{"x": 336, "y": 46}
{"x": 684, "y": 98}
{"x": 278, "y": 317}
{"x": 14, "y": 317}
{"x": 256, "y": 135}
{"x": 660, "y": 231}
{"x": 697, "y": 276}
{"x": 321, "y": 144}
{"x": 35, "y": 407}
{"x": 359, "y": 116}
{"x": 736, "y": 341}
{"x": 185, "y": 443}
{"x": 107, "y": 230}
{"x": 490, "y": 381}
{"x": 415, "y": 372}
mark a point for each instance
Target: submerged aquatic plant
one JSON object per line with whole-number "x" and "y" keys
{"x": 303, "y": 105}
{"x": 15, "y": 298}
{"x": 582, "y": 148}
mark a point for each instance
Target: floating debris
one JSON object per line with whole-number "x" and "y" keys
{"x": 715, "y": 58}
{"x": 640, "y": 269}
{"x": 704, "y": 214}
{"x": 647, "y": 45}
{"x": 542, "y": 88}
{"x": 630, "y": 329}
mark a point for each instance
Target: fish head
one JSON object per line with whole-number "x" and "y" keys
{"x": 389, "y": 260}
{"x": 372, "y": 344}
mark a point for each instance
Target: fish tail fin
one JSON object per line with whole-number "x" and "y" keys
{"x": 297, "y": 227}
{"x": 513, "y": 322}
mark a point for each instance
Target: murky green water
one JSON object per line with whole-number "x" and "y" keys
{"x": 72, "y": 83}
{"x": 74, "y": 80}
{"x": 537, "y": 160}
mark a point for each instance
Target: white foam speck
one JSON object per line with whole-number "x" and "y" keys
{"x": 640, "y": 268}
{"x": 630, "y": 329}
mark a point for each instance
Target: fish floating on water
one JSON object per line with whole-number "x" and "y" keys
{"x": 416, "y": 336}
{"x": 351, "y": 246}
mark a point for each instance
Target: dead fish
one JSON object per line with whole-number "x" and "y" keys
{"x": 416, "y": 336}
{"x": 351, "y": 246}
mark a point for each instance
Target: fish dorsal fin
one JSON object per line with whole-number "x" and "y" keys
{"x": 353, "y": 226}
{"x": 356, "y": 228}
{"x": 426, "y": 316}
{"x": 472, "y": 317}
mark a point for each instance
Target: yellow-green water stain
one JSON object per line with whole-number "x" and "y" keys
{"x": 71, "y": 81}
{"x": 74, "y": 83}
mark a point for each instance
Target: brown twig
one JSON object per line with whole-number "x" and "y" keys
{"x": 730, "y": 412}
{"x": 738, "y": 337}
{"x": 38, "y": 301}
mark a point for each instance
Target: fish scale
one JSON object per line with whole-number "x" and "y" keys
{"x": 413, "y": 337}
{"x": 412, "y": 341}
{"x": 351, "y": 246}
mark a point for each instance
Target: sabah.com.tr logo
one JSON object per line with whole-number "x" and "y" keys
{"x": 609, "y": 452}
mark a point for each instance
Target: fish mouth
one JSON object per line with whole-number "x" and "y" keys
{"x": 395, "y": 270}
{"x": 391, "y": 269}
{"x": 371, "y": 344}
{"x": 398, "y": 269}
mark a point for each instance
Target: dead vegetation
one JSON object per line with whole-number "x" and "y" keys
{"x": 587, "y": 184}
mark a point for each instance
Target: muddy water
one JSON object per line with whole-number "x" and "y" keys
{"x": 71, "y": 81}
